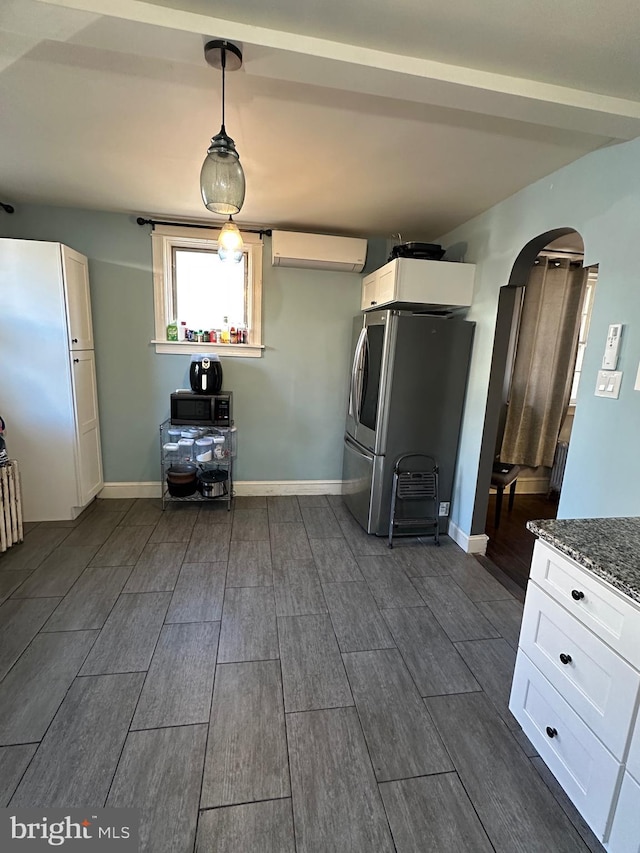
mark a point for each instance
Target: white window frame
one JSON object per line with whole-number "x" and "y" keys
{"x": 164, "y": 238}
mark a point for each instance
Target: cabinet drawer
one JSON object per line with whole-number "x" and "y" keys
{"x": 582, "y": 765}
{"x": 625, "y": 830}
{"x": 593, "y": 679}
{"x": 633, "y": 759}
{"x": 606, "y": 612}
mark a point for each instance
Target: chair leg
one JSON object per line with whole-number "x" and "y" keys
{"x": 498, "y": 504}
{"x": 512, "y": 494}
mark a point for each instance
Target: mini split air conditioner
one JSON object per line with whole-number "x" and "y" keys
{"x": 318, "y": 251}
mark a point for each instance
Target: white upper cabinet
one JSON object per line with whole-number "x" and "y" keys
{"x": 78, "y": 300}
{"x": 415, "y": 283}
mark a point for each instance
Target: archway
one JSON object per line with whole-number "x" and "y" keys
{"x": 510, "y": 298}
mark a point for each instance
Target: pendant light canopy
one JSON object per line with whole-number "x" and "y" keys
{"x": 222, "y": 183}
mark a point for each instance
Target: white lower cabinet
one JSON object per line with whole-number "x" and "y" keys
{"x": 576, "y": 690}
{"x": 587, "y": 771}
{"x": 598, "y": 684}
{"x": 625, "y": 829}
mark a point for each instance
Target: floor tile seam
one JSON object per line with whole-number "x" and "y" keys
{"x": 148, "y": 669}
{"x": 313, "y": 710}
{"x": 371, "y": 765}
{"x": 124, "y": 743}
{"x": 459, "y": 774}
{"x": 79, "y": 578}
{"x": 461, "y": 639}
{"x": 55, "y": 714}
{"x": 132, "y": 729}
{"x": 452, "y": 772}
{"x": 421, "y": 699}
{"x": 37, "y": 634}
{"x": 245, "y": 660}
{"x": 104, "y": 674}
{"x": 398, "y": 647}
{"x": 242, "y": 803}
{"x": 24, "y": 772}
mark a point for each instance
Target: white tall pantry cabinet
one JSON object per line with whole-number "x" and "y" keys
{"x": 48, "y": 394}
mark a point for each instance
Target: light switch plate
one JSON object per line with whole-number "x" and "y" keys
{"x": 608, "y": 383}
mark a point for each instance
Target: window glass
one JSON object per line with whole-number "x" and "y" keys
{"x": 206, "y": 290}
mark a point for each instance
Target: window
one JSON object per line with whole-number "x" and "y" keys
{"x": 193, "y": 286}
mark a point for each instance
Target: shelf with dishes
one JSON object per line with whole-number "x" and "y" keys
{"x": 197, "y": 462}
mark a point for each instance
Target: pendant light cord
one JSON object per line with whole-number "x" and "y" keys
{"x": 223, "y": 62}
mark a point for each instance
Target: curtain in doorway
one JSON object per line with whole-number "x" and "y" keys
{"x": 545, "y": 358}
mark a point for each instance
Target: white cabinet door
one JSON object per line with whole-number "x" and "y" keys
{"x": 369, "y": 291}
{"x": 387, "y": 281}
{"x": 586, "y": 770}
{"x": 625, "y": 830}
{"x": 598, "y": 684}
{"x": 89, "y": 458}
{"x": 78, "y": 299}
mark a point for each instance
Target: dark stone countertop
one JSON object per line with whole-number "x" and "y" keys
{"x": 608, "y": 547}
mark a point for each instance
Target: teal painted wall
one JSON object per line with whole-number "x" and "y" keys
{"x": 289, "y": 405}
{"x": 598, "y": 196}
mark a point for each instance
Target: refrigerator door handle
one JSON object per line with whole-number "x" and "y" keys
{"x": 355, "y": 393}
{"x": 357, "y": 449}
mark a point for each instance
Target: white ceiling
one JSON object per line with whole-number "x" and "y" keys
{"x": 358, "y": 117}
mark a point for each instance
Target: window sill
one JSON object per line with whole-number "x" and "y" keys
{"x": 223, "y": 350}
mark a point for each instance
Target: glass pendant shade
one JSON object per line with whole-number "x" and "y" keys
{"x": 230, "y": 243}
{"x": 222, "y": 182}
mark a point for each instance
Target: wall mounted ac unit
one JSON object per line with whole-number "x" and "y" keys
{"x": 317, "y": 251}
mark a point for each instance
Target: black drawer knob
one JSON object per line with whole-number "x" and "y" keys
{"x": 76, "y": 360}
{"x": 577, "y": 594}
{"x": 565, "y": 658}
{"x": 74, "y": 340}
{"x": 552, "y": 732}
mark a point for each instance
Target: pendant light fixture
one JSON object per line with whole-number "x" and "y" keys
{"x": 230, "y": 243}
{"x": 222, "y": 183}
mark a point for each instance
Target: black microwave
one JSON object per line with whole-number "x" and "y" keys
{"x": 202, "y": 409}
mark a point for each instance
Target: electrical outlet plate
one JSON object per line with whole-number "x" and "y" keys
{"x": 636, "y": 387}
{"x": 608, "y": 383}
{"x": 444, "y": 508}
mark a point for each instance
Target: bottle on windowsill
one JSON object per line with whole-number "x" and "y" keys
{"x": 224, "y": 336}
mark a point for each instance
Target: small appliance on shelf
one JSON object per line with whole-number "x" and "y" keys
{"x": 203, "y": 405}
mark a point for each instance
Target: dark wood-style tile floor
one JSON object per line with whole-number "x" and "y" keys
{"x": 268, "y": 680}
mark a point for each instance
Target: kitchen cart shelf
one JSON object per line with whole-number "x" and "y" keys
{"x": 210, "y": 450}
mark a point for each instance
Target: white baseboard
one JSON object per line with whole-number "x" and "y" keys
{"x": 242, "y": 487}
{"x": 475, "y": 544}
{"x": 288, "y": 487}
{"x": 131, "y": 490}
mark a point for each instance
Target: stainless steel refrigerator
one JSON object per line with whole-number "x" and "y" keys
{"x": 407, "y": 388}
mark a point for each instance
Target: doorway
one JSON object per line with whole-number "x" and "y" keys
{"x": 543, "y": 319}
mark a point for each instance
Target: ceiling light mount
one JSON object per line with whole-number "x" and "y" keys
{"x": 222, "y": 183}
{"x": 218, "y": 50}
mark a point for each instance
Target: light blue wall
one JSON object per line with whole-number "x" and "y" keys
{"x": 289, "y": 405}
{"x": 598, "y": 196}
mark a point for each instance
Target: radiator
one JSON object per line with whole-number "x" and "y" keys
{"x": 10, "y": 506}
{"x": 559, "y": 461}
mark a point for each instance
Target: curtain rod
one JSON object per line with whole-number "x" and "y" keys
{"x": 153, "y": 222}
